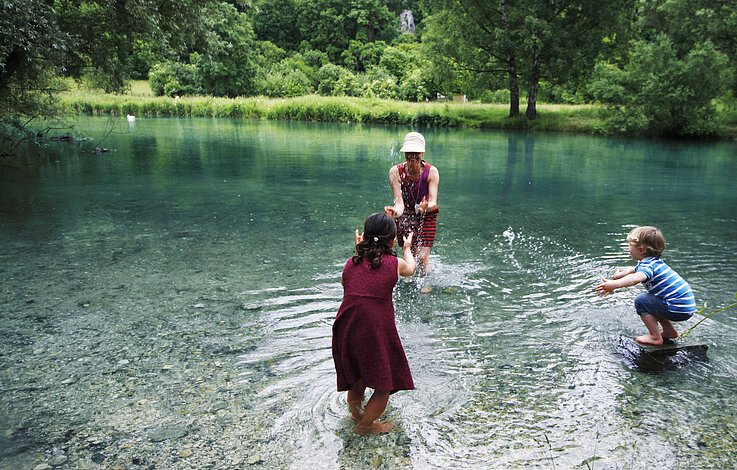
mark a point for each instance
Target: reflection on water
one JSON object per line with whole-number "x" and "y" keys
{"x": 170, "y": 304}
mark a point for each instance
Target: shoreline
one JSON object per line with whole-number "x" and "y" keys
{"x": 579, "y": 119}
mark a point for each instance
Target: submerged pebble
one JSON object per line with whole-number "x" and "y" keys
{"x": 163, "y": 434}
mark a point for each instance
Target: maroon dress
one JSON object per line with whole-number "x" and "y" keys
{"x": 366, "y": 343}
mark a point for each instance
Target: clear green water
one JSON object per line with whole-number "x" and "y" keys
{"x": 168, "y": 304}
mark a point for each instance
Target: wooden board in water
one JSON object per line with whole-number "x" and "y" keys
{"x": 668, "y": 348}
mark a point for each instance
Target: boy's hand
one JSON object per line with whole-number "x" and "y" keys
{"x": 604, "y": 288}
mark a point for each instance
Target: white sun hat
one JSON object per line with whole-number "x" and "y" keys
{"x": 413, "y": 142}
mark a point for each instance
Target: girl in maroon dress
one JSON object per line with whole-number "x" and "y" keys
{"x": 367, "y": 350}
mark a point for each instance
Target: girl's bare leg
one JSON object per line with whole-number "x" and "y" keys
{"x": 373, "y": 410}
{"x": 653, "y": 338}
{"x": 355, "y": 399}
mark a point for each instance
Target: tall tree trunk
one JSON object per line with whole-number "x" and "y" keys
{"x": 511, "y": 66}
{"x": 513, "y": 87}
{"x": 531, "y": 112}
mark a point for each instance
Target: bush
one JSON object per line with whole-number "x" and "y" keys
{"x": 414, "y": 87}
{"x": 335, "y": 80}
{"x": 550, "y": 93}
{"x": 283, "y": 83}
{"x": 495, "y": 96}
{"x": 361, "y": 56}
{"x": 658, "y": 93}
{"x": 378, "y": 83}
{"x": 173, "y": 78}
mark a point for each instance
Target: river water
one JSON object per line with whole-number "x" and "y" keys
{"x": 168, "y": 303}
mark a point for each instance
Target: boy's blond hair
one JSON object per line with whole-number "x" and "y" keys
{"x": 649, "y": 239}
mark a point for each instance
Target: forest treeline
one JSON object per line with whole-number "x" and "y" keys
{"x": 658, "y": 67}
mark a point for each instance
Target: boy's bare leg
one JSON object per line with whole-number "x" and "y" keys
{"x": 355, "y": 399}
{"x": 653, "y": 338}
{"x": 669, "y": 331}
{"x": 373, "y": 410}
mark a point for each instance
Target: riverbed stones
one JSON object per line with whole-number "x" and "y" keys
{"x": 166, "y": 433}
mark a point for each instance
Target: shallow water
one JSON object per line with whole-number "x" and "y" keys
{"x": 168, "y": 304}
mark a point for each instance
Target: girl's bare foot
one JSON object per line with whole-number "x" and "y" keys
{"x": 648, "y": 340}
{"x": 374, "y": 428}
{"x": 355, "y": 409}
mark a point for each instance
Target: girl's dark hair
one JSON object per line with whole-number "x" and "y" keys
{"x": 379, "y": 231}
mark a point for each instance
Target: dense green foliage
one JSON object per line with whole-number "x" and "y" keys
{"x": 659, "y": 67}
{"x": 656, "y": 92}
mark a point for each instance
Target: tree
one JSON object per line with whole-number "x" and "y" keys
{"x": 330, "y": 25}
{"x": 227, "y": 65}
{"x": 372, "y": 20}
{"x": 658, "y": 93}
{"x": 690, "y": 22}
{"x": 103, "y": 34}
{"x": 31, "y": 55}
{"x": 323, "y": 25}
{"x": 552, "y": 40}
{"x": 43, "y": 39}
{"x": 361, "y": 56}
{"x": 277, "y": 21}
{"x": 471, "y": 39}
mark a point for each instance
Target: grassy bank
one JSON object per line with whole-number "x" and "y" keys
{"x": 140, "y": 102}
{"x": 551, "y": 117}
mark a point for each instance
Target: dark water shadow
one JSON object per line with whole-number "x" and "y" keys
{"x": 659, "y": 360}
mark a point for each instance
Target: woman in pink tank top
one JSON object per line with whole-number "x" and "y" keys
{"x": 414, "y": 185}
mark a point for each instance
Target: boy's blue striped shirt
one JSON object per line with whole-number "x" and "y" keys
{"x": 665, "y": 283}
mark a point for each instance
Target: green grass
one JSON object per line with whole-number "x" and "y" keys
{"x": 141, "y": 102}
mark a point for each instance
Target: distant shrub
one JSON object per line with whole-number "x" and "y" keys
{"x": 495, "y": 96}
{"x": 336, "y": 81}
{"x": 228, "y": 63}
{"x": 414, "y": 86}
{"x": 402, "y": 59}
{"x": 378, "y": 83}
{"x": 551, "y": 93}
{"x": 283, "y": 83}
{"x": 173, "y": 78}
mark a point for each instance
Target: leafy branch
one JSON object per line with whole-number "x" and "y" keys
{"x": 709, "y": 315}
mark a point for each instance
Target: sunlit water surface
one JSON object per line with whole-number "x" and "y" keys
{"x": 168, "y": 304}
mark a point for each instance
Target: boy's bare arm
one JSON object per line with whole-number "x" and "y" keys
{"x": 623, "y": 272}
{"x": 627, "y": 280}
